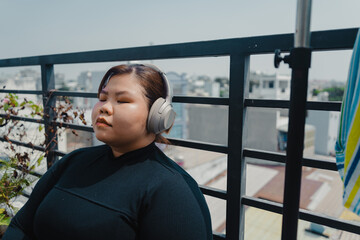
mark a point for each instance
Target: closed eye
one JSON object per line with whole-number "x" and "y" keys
{"x": 123, "y": 100}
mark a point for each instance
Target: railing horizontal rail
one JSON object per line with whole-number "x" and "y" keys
{"x": 21, "y": 91}
{"x": 74, "y": 126}
{"x": 201, "y": 100}
{"x": 320, "y": 40}
{"x": 36, "y": 174}
{"x": 74, "y": 94}
{"x": 310, "y": 105}
{"x": 320, "y": 164}
{"x": 25, "y": 119}
{"x": 28, "y": 145}
{"x": 218, "y": 193}
{"x": 262, "y": 204}
{"x": 26, "y": 195}
{"x": 59, "y": 153}
{"x": 264, "y": 155}
{"x": 324, "y": 106}
{"x": 267, "y": 103}
{"x": 218, "y": 236}
{"x": 329, "y": 221}
{"x": 199, "y": 145}
{"x": 281, "y": 158}
{"x": 303, "y": 214}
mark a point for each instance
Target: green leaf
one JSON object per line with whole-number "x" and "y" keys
{"x": 39, "y": 160}
{"x": 4, "y": 162}
{"x": 6, "y": 107}
{"x": 41, "y": 128}
{"x": 4, "y": 220}
{"x": 27, "y": 183}
{"x": 1, "y": 121}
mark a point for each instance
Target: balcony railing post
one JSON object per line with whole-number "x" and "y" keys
{"x": 299, "y": 61}
{"x": 235, "y": 212}
{"x": 49, "y": 102}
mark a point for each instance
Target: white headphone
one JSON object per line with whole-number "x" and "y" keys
{"x": 161, "y": 115}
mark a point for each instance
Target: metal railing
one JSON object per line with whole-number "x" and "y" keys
{"x": 239, "y": 50}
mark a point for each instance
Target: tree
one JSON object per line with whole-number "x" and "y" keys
{"x": 335, "y": 93}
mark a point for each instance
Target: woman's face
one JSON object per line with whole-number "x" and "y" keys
{"x": 119, "y": 118}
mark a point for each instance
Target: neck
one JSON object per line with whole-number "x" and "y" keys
{"x": 120, "y": 150}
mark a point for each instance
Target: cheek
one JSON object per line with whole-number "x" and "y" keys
{"x": 136, "y": 116}
{"x": 142, "y": 113}
{"x": 94, "y": 112}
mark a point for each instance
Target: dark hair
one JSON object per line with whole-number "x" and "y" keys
{"x": 149, "y": 79}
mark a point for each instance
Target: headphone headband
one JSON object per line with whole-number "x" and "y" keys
{"x": 169, "y": 94}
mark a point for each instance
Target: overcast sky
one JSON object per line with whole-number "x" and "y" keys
{"x": 38, "y": 27}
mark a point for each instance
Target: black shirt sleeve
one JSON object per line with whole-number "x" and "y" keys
{"x": 21, "y": 225}
{"x": 170, "y": 213}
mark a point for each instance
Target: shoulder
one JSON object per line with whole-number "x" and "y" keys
{"x": 166, "y": 175}
{"x": 167, "y": 169}
{"x": 80, "y": 153}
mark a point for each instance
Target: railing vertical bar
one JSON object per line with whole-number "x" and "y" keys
{"x": 49, "y": 102}
{"x": 235, "y": 211}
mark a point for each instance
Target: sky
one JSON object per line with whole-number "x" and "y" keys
{"x": 40, "y": 27}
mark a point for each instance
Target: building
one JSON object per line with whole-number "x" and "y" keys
{"x": 204, "y": 86}
{"x": 269, "y": 86}
{"x": 208, "y": 123}
{"x": 88, "y": 81}
{"x": 326, "y": 124}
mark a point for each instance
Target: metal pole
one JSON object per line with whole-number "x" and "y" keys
{"x": 49, "y": 102}
{"x": 300, "y": 58}
{"x": 302, "y": 29}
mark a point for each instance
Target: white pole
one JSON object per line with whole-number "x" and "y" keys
{"x": 302, "y": 31}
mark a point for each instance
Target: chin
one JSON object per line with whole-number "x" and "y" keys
{"x": 101, "y": 137}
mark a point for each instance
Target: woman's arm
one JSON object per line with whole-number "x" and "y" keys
{"x": 172, "y": 212}
{"x": 21, "y": 226}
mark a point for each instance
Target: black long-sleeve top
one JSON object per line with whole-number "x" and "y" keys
{"x": 90, "y": 194}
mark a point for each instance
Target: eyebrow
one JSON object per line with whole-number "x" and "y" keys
{"x": 116, "y": 93}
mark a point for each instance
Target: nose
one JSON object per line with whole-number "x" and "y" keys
{"x": 106, "y": 108}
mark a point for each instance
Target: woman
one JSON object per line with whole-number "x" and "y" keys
{"x": 125, "y": 189}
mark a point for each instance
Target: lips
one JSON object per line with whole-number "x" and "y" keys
{"x": 101, "y": 121}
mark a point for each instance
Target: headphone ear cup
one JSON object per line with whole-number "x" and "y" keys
{"x": 154, "y": 115}
{"x": 161, "y": 116}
